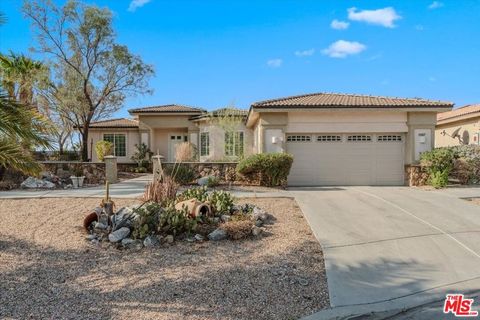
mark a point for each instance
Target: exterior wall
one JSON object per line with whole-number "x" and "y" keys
{"x": 160, "y": 140}
{"x": 165, "y": 121}
{"x": 470, "y": 128}
{"x": 418, "y": 120}
{"x": 217, "y": 140}
{"x": 132, "y": 138}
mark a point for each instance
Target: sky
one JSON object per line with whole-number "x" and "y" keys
{"x": 215, "y": 53}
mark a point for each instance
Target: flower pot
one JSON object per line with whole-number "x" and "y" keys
{"x": 80, "y": 181}
{"x": 74, "y": 182}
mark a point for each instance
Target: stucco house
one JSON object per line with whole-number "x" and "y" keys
{"x": 336, "y": 139}
{"x": 458, "y": 126}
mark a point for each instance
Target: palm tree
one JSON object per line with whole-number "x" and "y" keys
{"x": 19, "y": 126}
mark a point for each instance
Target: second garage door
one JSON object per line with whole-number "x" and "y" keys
{"x": 346, "y": 159}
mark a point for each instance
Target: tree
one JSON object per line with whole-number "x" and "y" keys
{"x": 96, "y": 73}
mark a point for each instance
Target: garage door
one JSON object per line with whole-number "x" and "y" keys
{"x": 346, "y": 159}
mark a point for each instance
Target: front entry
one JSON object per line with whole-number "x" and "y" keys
{"x": 174, "y": 140}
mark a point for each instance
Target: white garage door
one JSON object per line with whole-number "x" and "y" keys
{"x": 346, "y": 159}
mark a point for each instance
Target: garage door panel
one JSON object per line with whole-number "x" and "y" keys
{"x": 347, "y": 162}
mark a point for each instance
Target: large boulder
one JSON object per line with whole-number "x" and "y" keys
{"x": 34, "y": 183}
{"x": 217, "y": 235}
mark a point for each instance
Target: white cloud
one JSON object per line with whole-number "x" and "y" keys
{"x": 339, "y": 25}
{"x": 135, "y": 4}
{"x": 305, "y": 53}
{"x": 342, "y": 48}
{"x": 385, "y": 17}
{"x": 274, "y": 63}
{"x": 435, "y": 5}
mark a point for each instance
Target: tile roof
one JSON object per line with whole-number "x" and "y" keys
{"x": 166, "y": 108}
{"x": 115, "y": 123}
{"x": 347, "y": 100}
{"x": 473, "y": 110}
{"x": 222, "y": 111}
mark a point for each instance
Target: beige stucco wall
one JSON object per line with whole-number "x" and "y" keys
{"x": 418, "y": 120}
{"x": 217, "y": 140}
{"x": 132, "y": 138}
{"x": 165, "y": 121}
{"x": 160, "y": 141}
{"x": 470, "y": 128}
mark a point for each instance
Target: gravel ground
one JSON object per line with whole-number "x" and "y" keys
{"x": 49, "y": 271}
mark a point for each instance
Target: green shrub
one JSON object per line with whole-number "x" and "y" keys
{"x": 174, "y": 222}
{"x": 103, "y": 148}
{"x": 221, "y": 202}
{"x": 439, "y": 179}
{"x": 142, "y": 155}
{"x": 440, "y": 159}
{"x": 270, "y": 169}
{"x": 181, "y": 173}
{"x": 198, "y": 193}
{"x": 140, "y": 170}
{"x": 147, "y": 220}
{"x": 213, "y": 181}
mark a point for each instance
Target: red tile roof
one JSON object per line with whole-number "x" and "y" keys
{"x": 332, "y": 100}
{"x": 115, "y": 123}
{"x": 175, "y": 108}
{"x": 472, "y": 110}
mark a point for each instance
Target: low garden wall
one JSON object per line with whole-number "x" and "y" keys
{"x": 225, "y": 171}
{"x": 415, "y": 175}
{"x": 94, "y": 172}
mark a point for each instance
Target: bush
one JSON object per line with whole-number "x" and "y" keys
{"x": 194, "y": 193}
{"x": 271, "y": 169}
{"x": 147, "y": 221}
{"x": 181, "y": 173}
{"x": 162, "y": 192}
{"x": 103, "y": 148}
{"x": 213, "y": 181}
{"x": 439, "y": 179}
{"x": 221, "y": 202}
{"x": 239, "y": 229}
{"x": 142, "y": 155}
{"x": 174, "y": 222}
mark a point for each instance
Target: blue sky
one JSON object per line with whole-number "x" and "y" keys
{"x": 216, "y": 53}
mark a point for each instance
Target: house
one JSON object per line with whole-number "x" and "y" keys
{"x": 459, "y": 126}
{"x": 336, "y": 139}
{"x": 217, "y": 135}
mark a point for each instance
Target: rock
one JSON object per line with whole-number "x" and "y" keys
{"x": 98, "y": 210}
{"x": 225, "y": 217}
{"x": 256, "y": 231}
{"x": 101, "y": 226}
{"x": 130, "y": 243}
{"x": 91, "y": 237}
{"x": 127, "y": 241}
{"x": 169, "y": 239}
{"x": 217, "y": 235}
{"x": 199, "y": 237}
{"x": 34, "y": 183}
{"x": 258, "y": 223}
{"x": 216, "y": 220}
{"x": 68, "y": 186}
{"x": 151, "y": 241}
{"x": 191, "y": 239}
{"x": 204, "y": 180}
{"x": 95, "y": 242}
{"x": 260, "y": 214}
{"x": 122, "y": 218}
{"x": 119, "y": 234}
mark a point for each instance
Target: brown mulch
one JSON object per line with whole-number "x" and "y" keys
{"x": 49, "y": 271}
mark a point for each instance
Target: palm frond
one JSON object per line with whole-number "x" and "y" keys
{"x": 13, "y": 156}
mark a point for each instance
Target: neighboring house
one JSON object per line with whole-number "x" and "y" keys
{"x": 459, "y": 126}
{"x": 336, "y": 139}
{"x": 162, "y": 128}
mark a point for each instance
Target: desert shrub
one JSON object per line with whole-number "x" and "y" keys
{"x": 438, "y": 179}
{"x": 140, "y": 170}
{"x": 239, "y": 229}
{"x": 162, "y": 192}
{"x": 194, "y": 193}
{"x": 439, "y": 164}
{"x": 175, "y": 222}
{"x": 221, "y": 202}
{"x": 146, "y": 222}
{"x": 185, "y": 151}
{"x": 271, "y": 169}
{"x": 213, "y": 181}
{"x": 103, "y": 148}
{"x": 142, "y": 155}
{"x": 181, "y": 173}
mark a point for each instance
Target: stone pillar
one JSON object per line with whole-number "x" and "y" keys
{"x": 157, "y": 167}
{"x": 111, "y": 169}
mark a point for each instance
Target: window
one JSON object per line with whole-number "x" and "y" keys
{"x": 359, "y": 138}
{"x": 234, "y": 144}
{"x": 329, "y": 138}
{"x": 389, "y": 138}
{"x": 119, "y": 143}
{"x": 204, "y": 144}
{"x": 294, "y": 138}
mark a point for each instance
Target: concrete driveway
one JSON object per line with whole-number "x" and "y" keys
{"x": 394, "y": 247}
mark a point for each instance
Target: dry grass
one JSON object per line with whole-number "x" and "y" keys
{"x": 49, "y": 271}
{"x": 239, "y": 229}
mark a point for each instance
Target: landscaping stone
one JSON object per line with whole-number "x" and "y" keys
{"x": 101, "y": 226}
{"x": 34, "y": 183}
{"x": 199, "y": 237}
{"x": 256, "y": 231}
{"x": 217, "y": 235}
{"x": 169, "y": 239}
{"x": 204, "y": 180}
{"x": 260, "y": 214}
{"x": 151, "y": 241}
{"x": 119, "y": 234}
{"x": 225, "y": 217}
{"x": 130, "y": 243}
{"x": 91, "y": 236}
{"x": 258, "y": 223}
